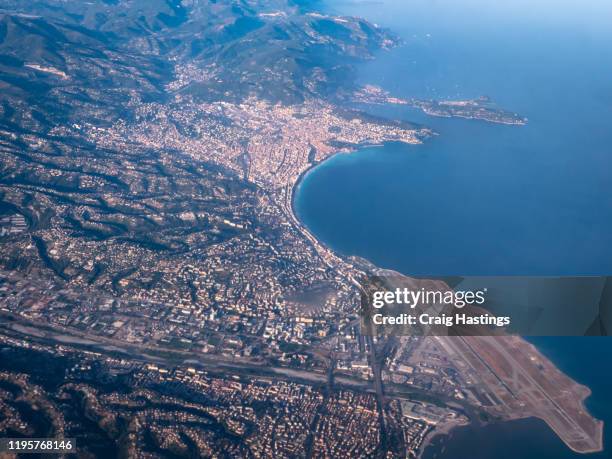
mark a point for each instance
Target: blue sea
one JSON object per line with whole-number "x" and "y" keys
{"x": 480, "y": 198}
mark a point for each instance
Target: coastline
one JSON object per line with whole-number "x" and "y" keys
{"x": 290, "y": 193}
{"x": 580, "y": 391}
{"x": 291, "y": 212}
{"x": 437, "y": 431}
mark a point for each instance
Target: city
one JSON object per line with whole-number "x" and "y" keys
{"x": 159, "y": 296}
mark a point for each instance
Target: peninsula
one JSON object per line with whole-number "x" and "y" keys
{"x": 481, "y": 108}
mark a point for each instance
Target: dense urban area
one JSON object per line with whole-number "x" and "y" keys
{"x": 158, "y": 296}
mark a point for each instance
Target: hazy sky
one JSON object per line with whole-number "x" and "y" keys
{"x": 593, "y": 16}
